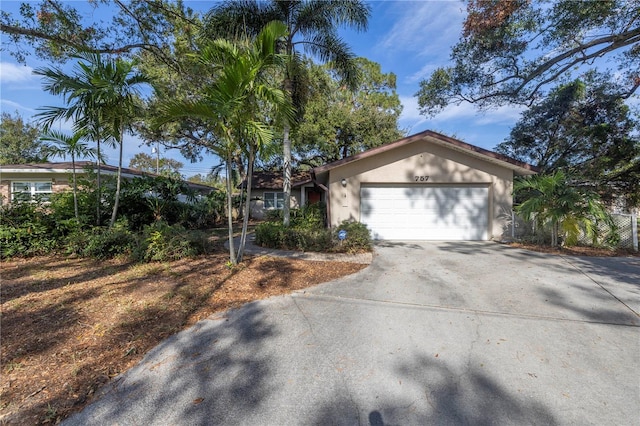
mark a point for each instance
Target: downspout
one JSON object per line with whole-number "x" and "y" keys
{"x": 327, "y": 196}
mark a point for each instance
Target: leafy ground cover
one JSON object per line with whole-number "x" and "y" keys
{"x": 69, "y": 325}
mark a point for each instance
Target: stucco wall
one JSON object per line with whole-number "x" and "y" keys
{"x": 257, "y": 203}
{"x": 444, "y": 166}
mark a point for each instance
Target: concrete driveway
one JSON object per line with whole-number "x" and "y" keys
{"x": 430, "y": 333}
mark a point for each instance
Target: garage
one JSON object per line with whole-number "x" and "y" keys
{"x": 451, "y": 213}
{"x": 426, "y": 186}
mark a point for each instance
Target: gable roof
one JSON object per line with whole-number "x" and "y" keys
{"x": 67, "y": 167}
{"x": 275, "y": 180}
{"x": 438, "y": 139}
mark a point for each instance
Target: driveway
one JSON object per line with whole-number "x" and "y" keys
{"x": 429, "y": 333}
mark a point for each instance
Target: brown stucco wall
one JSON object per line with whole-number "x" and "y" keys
{"x": 443, "y": 165}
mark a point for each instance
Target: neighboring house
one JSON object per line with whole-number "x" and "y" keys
{"x": 423, "y": 187}
{"x": 26, "y": 181}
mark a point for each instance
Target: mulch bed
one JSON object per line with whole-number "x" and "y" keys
{"x": 70, "y": 325}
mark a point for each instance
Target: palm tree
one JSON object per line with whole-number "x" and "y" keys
{"x": 120, "y": 84}
{"x": 100, "y": 97}
{"x": 550, "y": 200}
{"x": 74, "y": 147}
{"x": 311, "y": 24}
{"x": 83, "y": 107}
{"x": 234, "y": 105}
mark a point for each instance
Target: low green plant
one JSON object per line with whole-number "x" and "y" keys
{"x": 26, "y": 230}
{"x": 358, "y": 237}
{"x": 161, "y": 241}
{"x": 309, "y": 235}
{"x": 104, "y": 243}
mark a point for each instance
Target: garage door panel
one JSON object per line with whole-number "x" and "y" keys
{"x": 426, "y": 213}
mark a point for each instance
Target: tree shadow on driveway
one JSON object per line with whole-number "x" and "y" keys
{"x": 211, "y": 371}
{"x": 437, "y": 394}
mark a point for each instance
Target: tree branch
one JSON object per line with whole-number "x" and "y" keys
{"x": 29, "y": 32}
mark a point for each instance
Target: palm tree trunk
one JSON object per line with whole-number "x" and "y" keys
{"x": 232, "y": 251}
{"x": 116, "y": 203}
{"x": 75, "y": 188}
{"x": 98, "y": 184}
{"x": 247, "y": 208}
{"x": 286, "y": 142}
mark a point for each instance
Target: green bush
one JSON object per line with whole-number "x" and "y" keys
{"x": 26, "y": 230}
{"x": 161, "y": 242}
{"x": 104, "y": 243}
{"x": 276, "y": 235}
{"x": 307, "y": 235}
{"x": 269, "y": 234}
{"x": 358, "y": 238}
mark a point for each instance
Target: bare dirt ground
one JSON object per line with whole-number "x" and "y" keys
{"x": 70, "y": 325}
{"x": 577, "y": 250}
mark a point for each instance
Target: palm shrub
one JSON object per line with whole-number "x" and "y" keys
{"x": 552, "y": 201}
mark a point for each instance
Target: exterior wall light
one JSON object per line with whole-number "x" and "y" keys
{"x": 344, "y": 182}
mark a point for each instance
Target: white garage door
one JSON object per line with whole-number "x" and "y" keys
{"x": 425, "y": 212}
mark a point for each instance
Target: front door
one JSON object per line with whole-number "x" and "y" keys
{"x": 313, "y": 196}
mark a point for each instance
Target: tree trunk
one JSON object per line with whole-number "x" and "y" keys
{"x": 554, "y": 234}
{"x": 75, "y": 188}
{"x": 286, "y": 163}
{"x": 247, "y": 208}
{"x": 232, "y": 251}
{"x": 98, "y": 184}
{"x": 116, "y": 203}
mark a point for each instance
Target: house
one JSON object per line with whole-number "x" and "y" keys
{"x": 266, "y": 191}
{"x": 26, "y": 181}
{"x": 423, "y": 187}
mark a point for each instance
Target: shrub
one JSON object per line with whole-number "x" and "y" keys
{"x": 26, "y": 230}
{"x": 358, "y": 238}
{"x": 104, "y": 243}
{"x": 161, "y": 242}
{"x": 270, "y": 234}
{"x": 309, "y": 236}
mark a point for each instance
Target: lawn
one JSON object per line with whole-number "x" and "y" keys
{"x": 69, "y": 325}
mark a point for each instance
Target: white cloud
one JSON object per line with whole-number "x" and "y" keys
{"x": 463, "y": 116}
{"x": 426, "y": 28}
{"x": 14, "y": 106}
{"x": 13, "y": 73}
{"x": 505, "y": 115}
{"x": 422, "y": 73}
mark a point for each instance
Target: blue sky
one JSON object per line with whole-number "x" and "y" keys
{"x": 408, "y": 38}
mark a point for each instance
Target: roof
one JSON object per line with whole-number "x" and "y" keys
{"x": 438, "y": 139}
{"x": 67, "y": 167}
{"x": 275, "y": 180}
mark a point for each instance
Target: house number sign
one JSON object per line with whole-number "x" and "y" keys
{"x": 421, "y": 178}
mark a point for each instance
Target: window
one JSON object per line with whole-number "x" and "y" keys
{"x": 28, "y": 191}
{"x": 274, "y": 200}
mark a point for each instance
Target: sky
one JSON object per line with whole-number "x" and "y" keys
{"x": 408, "y": 38}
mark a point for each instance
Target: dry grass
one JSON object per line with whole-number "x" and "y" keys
{"x": 70, "y": 325}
